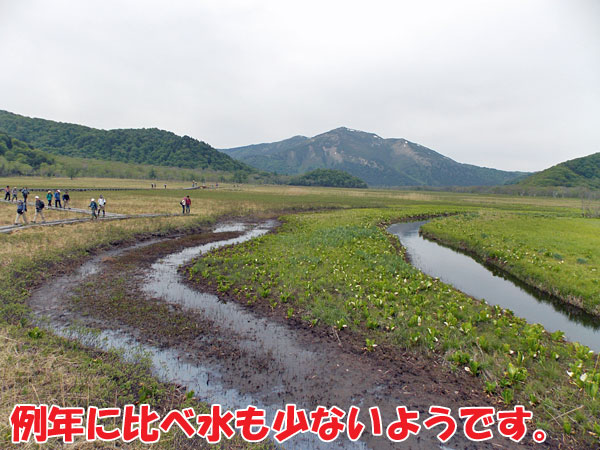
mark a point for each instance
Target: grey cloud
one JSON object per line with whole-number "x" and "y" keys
{"x": 507, "y": 84}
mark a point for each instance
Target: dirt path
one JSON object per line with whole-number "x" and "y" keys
{"x": 230, "y": 354}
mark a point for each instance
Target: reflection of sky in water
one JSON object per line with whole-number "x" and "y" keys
{"x": 476, "y": 280}
{"x": 171, "y": 365}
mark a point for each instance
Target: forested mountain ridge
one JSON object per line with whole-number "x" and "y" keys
{"x": 142, "y": 146}
{"x": 19, "y": 158}
{"x": 378, "y": 161}
{"x": 578, "y": 172}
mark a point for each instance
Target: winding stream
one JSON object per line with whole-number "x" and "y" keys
{"x": 479, "y": 281}
{"x": 209, "y": 380}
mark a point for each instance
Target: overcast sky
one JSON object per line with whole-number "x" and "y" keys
{"x": 510, "y": 84}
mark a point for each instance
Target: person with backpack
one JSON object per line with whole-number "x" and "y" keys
{"x": 39, "y": 209}
{"x": 7, "y": 193}
{"x": 49, "y": 198}
{"x": 66, "y": 198}
{"x": 188, "y": 204}
{"x": 101, "y": 206}
{"x": 94, "y": 207}
{"x": 25, "y": 193}
{"x": 21, "y": 212}
{"x": 14, "y": 194}
{"x": 57, "y": 203}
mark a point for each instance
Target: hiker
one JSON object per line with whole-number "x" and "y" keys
{"x": 21, "y": 212}
{"x": 7, "y": 193}
{"x": 165, "y": 186}
{"x": 66, "y": 199}
{"x": 182, "y": 203}
{"x": 14, "y": 194}
{"x": 94, "y": 208}
{"x": 49, "y": 198}
{"x": 57, "y": 203}
{"x": 39, "y": 209}
{"x": 101, "y": 205}
{"x": 25, "y": 193}
{"x": 188, "y": 203}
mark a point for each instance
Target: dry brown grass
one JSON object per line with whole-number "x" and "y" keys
{"x": 35, "y": 373}
{"x": 34, "y": 242}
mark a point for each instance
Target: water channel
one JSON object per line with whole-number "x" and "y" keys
{"x": 496, "y": 288}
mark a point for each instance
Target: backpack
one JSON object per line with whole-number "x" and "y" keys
{"x": 20, "y": 208}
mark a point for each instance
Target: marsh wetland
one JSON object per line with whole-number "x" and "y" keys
{"x": 305, "y": 296}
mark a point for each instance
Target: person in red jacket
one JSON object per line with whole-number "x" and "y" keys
{"x": 188, "y": 203}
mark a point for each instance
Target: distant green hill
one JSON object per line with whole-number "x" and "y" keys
{"x": 328, "y": 178}
{"x": 19, "y": 158}
{"x": 579, "y": 172}
{"x": 140, "y": 146}
{"x": 378, "y": 161}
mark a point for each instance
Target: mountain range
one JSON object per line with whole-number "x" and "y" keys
{"x": 375, "y": 160}
{"x": 378, "y": 161}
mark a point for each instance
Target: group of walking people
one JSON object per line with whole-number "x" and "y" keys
{"x": 97, "y": 206}
{"x": 61, "y": 201}
{"x": 22, "y": 211}
{"x": 56, "y": 197}
{"x": 186, "y": 203}
{"x": 11, "y": 195}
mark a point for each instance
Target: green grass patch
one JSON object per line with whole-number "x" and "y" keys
{"x": 340, "y": 269}
{"x": 559, "y": 255}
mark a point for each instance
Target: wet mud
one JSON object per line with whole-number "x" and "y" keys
{"x": 137, "y": 299}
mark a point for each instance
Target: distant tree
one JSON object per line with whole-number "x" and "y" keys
{"x": 240, "y": 177}
{"x": 72, "y": 172}
{"x": 328, "y": 178}
{"x": 152, "y": 174}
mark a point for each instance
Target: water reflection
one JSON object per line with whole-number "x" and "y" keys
{"x": 495, "y": 287}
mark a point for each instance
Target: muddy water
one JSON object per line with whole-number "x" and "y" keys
{"x": 254, "y": 334}
{"x": 271, "y": 364}
{"x": 209, "y": 380}
{"x": 485, "y": 283}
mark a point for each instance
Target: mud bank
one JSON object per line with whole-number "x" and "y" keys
{"x": 134, "y": 299}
